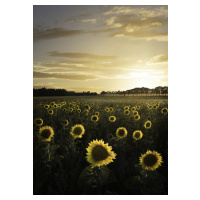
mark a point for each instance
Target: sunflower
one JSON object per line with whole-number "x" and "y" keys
{"x": 136, "y": 117}
{"x": 46, "y": 106}
{"x": 45, "y": 134}
{"x": 147, "y": 124}
{"x": 151, "y": 160}
{"x": 97, "y": 113}
{"x": 137, "y": 135}
{"x": 59, "y": 105}
{"x": 77, "y": 131}
{"x": 121, "y": 132}
{"x": 112, "y": 118}
{"x": 135, "y": 113}
{"x": 126, "y": 112}
{"x": 87, "y": 107}
{"x": 79, "y": 110}
{"x": 38, "y": 122}
{"x": 111, "y": 109}
{"x": 107, "y": 109}
{"x": 55, "y": 105}
{"x": 99, "y": 154}
{"x": 95, "y": 118}
{"x": 65, "y": 122}
{"x": 126, "y": 108}
{"x": 64, "y": 109}
{"x": 52, "y": 104}
{"x": 71, "y": 109}
{"x": 137, "y": 107}
{"x": 50, "y": 112}
{"x": 150, "y": 107}
{"x": 133, "y": 108}
{"x": 164, "y": 110}
{"x": 154, "y": 107}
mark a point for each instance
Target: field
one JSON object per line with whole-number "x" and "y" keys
{"x": 67, "y": 163}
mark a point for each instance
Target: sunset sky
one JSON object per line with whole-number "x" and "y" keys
{"x": 96, "y": 48}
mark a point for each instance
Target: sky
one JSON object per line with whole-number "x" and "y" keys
{"x": 100, "y": 48}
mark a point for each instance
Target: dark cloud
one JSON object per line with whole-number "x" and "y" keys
{"x": 52, "y": 33}
{"x": 80, "y": 55}
{"x": 63, "y": 76}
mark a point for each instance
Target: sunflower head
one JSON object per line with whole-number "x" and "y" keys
{"x": 133, "y": 108}
{"x": 112, "y": 118}
{"x": 45, "y": 134}
{"x": 150, "y": 160}
{"x": 64, "y": 109}
{"x": 50, "y": 112}
{"x": 164, "y": 110}
{"x": 46, "y": 106}
{"x": 111, "y": 109}
{"x": 77, "y": 131}
{"x": 97, "y": 113}
{"x": 66, "y": 122}
{"x": 137, "y": 135}
{"x": 99, "y": 154}
{"x": 38, "y": 122}
{"x": 79, "y": 110}
{"x": 107, "y": 109}
{"x": 136, "y": 117}
{"x": 126, "y": 112}
{"x": 121, "y": 132}
{"x": 137, "y": 107}
{"x": 154, "y": 107}
{"x": 135, "y": 113}
{"x": 55, "y": 105}
{"x": 71, "y": 109}
{"x": 150, "y": 107}
{"x": 126, "y": 108}
{"x": 95, "y": 118}
{"x": 147, "y": 124}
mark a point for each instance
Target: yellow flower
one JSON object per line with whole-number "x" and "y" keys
{"x": 79, "y": 110}
{"x": 55, "y": 105}
{"x": 38, "y": 122}
{"x": 46, "y": 106}
{"x": 147, "y": 124}
{"x": 94, "y": 118}
{"x": 97, "y": 113}
{"x": 64, "y": 109}
{"x": 77, "y": 131}
{"x": 137, "y": 135}
{"x": 66, "y": 122}
{"x": 71, "y": 109}
{"x": 111, "y": 109}
{"x": 150, "y": 107}
{"x": 121, "y": 132}
{"x": 136, "y": 117}
{"x": 151, "y": 160}
{"x": 137, "y": 107}
{"x": 107, "y": 109}
{"x": 126, "y": 108}
{"x": 45, "y": 134}
{"x": 164, "y": 110}
{"x": 135, "y": 113}
{"x": 52, "y": 104}
{"x": 127, "y": 112}
{"x": 133, "y": 108}
{"x": 99, "y": 154}
{"x": 50, "y": 112}
{"x": 154, "y": 107}
{"x": 112, "y": 118}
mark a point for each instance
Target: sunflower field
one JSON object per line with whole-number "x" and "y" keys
{"x": 100, "y": 145}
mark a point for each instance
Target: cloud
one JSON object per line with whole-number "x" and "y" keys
{"x": 93, "y": 21}
{"x": 80, "y": 55}
{"x": 159, "y": 59}
{"x": 78, "y": 17}
{"x": 138, "y": 23}
{"x": 53, "y": 33}
{"x": 63, "y": 76}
